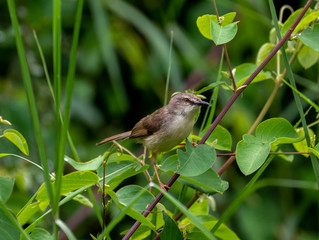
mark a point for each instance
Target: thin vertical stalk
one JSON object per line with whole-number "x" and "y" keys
{"x": 56, "y": 30}
{"x": 30, "y": 97}
{"x": 169, "y": 68}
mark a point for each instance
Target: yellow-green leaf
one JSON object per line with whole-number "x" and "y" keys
{"x": 17, "y": 139}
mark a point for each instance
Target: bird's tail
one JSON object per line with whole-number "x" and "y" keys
{"x": 115, "y": 137}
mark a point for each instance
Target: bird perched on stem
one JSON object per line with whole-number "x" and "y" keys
{"x": 166, "y": 127}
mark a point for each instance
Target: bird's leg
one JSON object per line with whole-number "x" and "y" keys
{"x": 153, "y": 161}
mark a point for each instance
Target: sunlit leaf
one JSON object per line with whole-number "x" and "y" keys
{"x": 17, "y": 139}
{"x": 204, "y": 22}
{"x": 303, "y": 146}
{"x": 220, "y": 138}
{"x": 89, "y": 165}
{"x": 287, "y": 24}
{"x": 70, "y": 182}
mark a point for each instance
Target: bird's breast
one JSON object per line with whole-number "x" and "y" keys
{"x": 172, "y": 132}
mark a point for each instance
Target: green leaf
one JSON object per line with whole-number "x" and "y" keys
{"x": 81, "y": 199}
{"x": 170, "y": 231}
{"x": 170, "y": 164}
{"x": 82, "y": 166}
{"x": 209, "y": 222}
{"x": 28, "y": 211}
{"x": 220, "y": 137}
{"x": 196, "y": 160}
{"x": 200, "y": 207}
{"x": 8, "y": 230}
{"x": 131, "y": 212}
{"x": 306, "y": 20}
{"x": 70, "y": 182}
{"x": 17, "y": 139}
{"x": 6, "y": 188}
{"x": 125, "y": 197}
{"x": 210, "y": 86}
{"x": 287, "y": 24}
{"x": 243, "y": 71}
{"x": 315, "y": 150}
{"x": 310, "y": 37}
{"x": 115, "y": 173}
{"x": 251, "y": 154}
{"x": 208, "y": 182}
{"x": 263, "y": 52}
{"x": 303, "y": 146}
{"x": 223, "y": 34}
{"x": 204, "y": 22}
{"x": 307, "y": 57}
{"x": 276, "y": 131}
{"x": 40, "y": 234}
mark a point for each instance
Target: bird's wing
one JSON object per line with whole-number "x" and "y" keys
{"x": 148, "y": 125}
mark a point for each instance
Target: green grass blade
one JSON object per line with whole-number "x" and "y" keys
{"x": 75, "y": 154}
{"x": 169, "y": 69}
{"x": 65, "y": 229}
{"x": 30, "y": 97}
{"x": 103, "y": 32}
{"x": 56, "y": 30}
{"x": 69, "y": 91}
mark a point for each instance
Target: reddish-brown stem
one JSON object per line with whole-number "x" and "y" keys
{"x": 224, "y": 111}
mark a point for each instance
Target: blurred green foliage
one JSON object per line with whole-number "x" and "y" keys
{"x": 121, "y": 70}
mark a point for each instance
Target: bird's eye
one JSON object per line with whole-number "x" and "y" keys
{"x": 186, "y": 100}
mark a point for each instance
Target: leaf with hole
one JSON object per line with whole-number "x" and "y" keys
{"x": 17, "y": 139}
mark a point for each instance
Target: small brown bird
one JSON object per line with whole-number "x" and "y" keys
{"x": 166, "y": 127}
